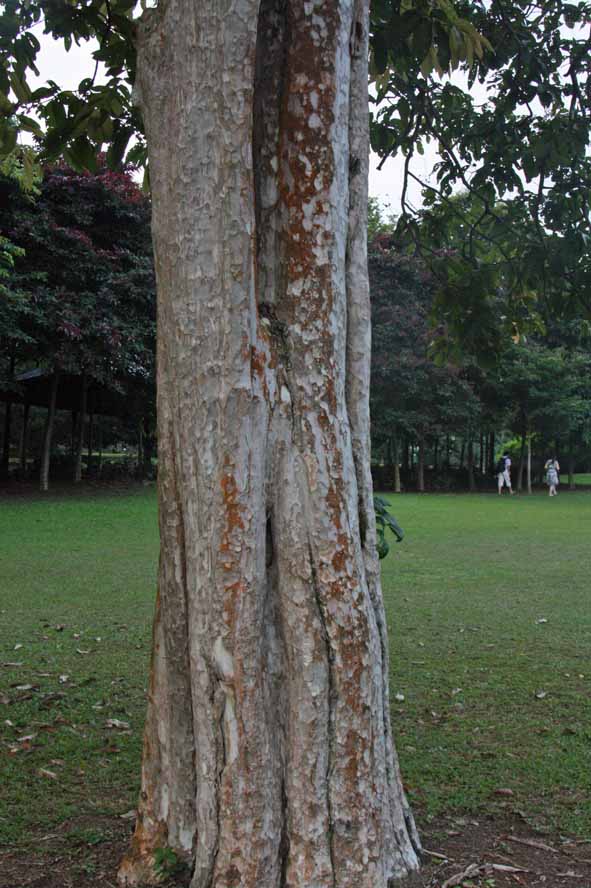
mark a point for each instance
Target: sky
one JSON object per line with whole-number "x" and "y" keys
{"x": 68, "y": 68}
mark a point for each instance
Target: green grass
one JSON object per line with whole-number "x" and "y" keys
{"x": 464, "y": 593}
{"x": 72, "y": 571}
{"x": 583, "y": 478}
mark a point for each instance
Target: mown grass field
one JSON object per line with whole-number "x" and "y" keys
{"x": 490, "y": 633}
{"x": 490, "y": 624}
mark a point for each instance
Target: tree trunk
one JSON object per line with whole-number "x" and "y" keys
{"x": 397, "y": 486}
{"x": 46, "y": 449}
{"x": 522, "y": 457}
{"x": 571, "y": 465}
{"x": 268, "y": 757}
{"x": 421, "y": 467}
{"x": 529, "y": 463}
{"x": 81, "y": 422}
{"x": 89, "y": 467}
{"x": 24, "y": 442}
{"x": 5, "y": 458}
{"x": 99, "y": 434}
{"x": 462, "y": 453}
{"x": 470, "y": 461}
{"x": 491, "y": 454}
{"x": 481, "y": 458}
{"x": 436, "y": 454}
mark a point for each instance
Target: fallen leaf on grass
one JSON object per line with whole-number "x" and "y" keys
{"x": 540, "y": 695}
{"x": 4, "y": 700}
{"x": 80, "y": 651}
{"x": 399, "y": 697}
{"x": 12, "y": 665}
{"x": 43, "y": 772}
{"x": 26, "y": 739}
{"x": 17, "y": 647}
{"x": 117, "y": 723}
{"x": 542, "y": 620}
{"x": 504, "y": 791}
{"x": 64, "y": 678}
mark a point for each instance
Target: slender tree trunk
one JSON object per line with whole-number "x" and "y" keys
{"x": 470, "y": 461}
{"x": 81, "y": 422}
{"x": 436, "y": 454}
{"x": 529, "y": 463}
{"x": 24, "y": 442}
{"x": 407, "y": 462}
{"x": 140, "y": 445}
{"x": 99, "y": 432}
{"x": 481, "y": 459}
{"x": 421, "y": 467}
{"x": 90, "y": 441}
{"x": 397, "y": 486}
{"x": 46, "y": 449}
{"x": 5, "y": 458}
{"x": 522, "y": 459}
{"x": 491, "y": 454}
{"x": 462, "y": 453}
{"x": 268, "y": 757}
{"x": 447, "y": 452}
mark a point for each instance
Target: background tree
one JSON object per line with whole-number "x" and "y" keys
{"x": 80, "y": 294}
{"x": 521, "y": 155}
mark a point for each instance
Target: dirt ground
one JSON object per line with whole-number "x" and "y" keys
{"x": 459, "y": 853}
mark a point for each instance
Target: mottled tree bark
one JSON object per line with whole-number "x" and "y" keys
{"x": 268, "y": 757}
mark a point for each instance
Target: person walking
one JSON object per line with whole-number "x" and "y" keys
{"x": 552, "y": 469}
{"x": 504, "y": 473}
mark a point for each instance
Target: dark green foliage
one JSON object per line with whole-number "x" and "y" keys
{"x": 521, "y": 156}
{"x": 410, "y": 394}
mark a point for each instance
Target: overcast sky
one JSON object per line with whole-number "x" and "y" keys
{"x": 68, "y": 68}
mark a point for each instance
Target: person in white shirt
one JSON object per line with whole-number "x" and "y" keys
{"x": 504, "y": 473}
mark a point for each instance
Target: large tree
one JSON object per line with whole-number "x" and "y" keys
{"x": 268, "y": 756}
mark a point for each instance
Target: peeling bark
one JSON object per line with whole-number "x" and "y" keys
{"x": 268, "y": 756}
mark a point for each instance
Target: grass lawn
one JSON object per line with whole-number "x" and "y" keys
{"x": 583, "y": 478}
{"x": 490, "y": 633}
{"x": 494, "y": 699}
{"x": 77, "y": 587}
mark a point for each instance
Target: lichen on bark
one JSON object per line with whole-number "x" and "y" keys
{"x": 268, "y": 756}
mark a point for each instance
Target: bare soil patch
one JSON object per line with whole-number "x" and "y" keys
{"x": 485, "y": 852}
